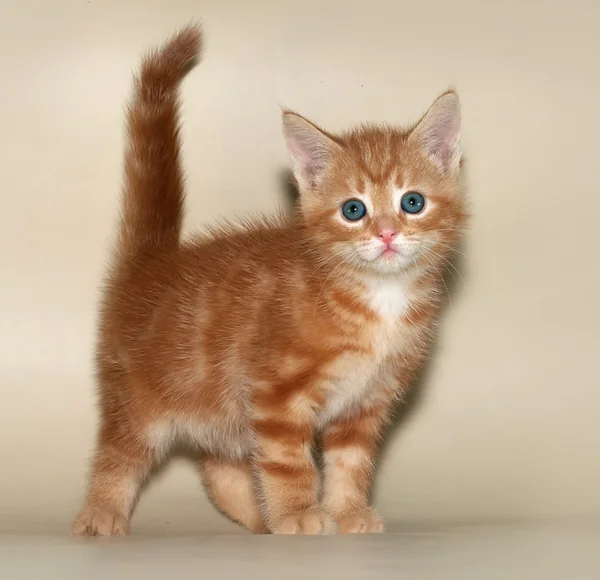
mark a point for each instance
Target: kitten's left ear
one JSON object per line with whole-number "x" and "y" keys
{"x": 438, "y": 133}
{"x": 310, "y": 149}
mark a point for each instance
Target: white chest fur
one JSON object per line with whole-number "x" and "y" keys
{"x": 388, "y": 298}
{"x": 360, "y": 377}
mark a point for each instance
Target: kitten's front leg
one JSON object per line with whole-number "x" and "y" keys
{"x": 287, "y": 477}
{"x": 349, "y": 448}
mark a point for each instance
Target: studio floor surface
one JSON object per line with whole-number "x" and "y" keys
{"x": 483, "y": 552}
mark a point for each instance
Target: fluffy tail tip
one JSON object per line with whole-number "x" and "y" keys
{"x": 165, "y": 66}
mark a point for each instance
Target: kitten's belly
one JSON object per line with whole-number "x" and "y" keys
{"x": 222, "y": 437}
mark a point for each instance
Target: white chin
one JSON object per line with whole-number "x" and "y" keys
{"x": 389, "y": 263}
{"x": 386, "y": 262}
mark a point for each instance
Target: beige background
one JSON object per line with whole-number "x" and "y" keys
{"x": 507, "y": 422}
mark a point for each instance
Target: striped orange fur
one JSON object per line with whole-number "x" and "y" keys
{"x": 254, "y": 342}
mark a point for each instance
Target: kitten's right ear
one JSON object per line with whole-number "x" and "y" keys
{"x": 310, "y": 149}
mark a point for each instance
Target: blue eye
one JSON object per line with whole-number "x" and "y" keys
{"x": 412, "y": 202}
{"x": 354, "y": 210}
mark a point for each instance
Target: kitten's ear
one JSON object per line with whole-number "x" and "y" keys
{"x": 309, "y": 148}
{"x": 438, "y": 132}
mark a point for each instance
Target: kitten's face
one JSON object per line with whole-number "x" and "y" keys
{"x": 380, "y": 199}
{"x": 384, "y": 220}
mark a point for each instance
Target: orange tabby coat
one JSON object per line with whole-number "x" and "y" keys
{"x": 253, "y": 342}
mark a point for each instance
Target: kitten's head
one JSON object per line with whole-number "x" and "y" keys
{"x": 379, "y": 198}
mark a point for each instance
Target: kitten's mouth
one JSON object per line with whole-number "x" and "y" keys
{"x": 389, "y": 252}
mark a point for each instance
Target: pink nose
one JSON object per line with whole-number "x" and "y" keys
{"x": 387, "y": 235}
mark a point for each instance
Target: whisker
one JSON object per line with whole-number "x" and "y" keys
{"x": 451, "y": 248}
{"x": 449, "y": 263}
{"x": 440, "y": 272}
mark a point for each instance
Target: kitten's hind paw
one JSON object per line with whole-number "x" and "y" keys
{"x": 98, "y": 522}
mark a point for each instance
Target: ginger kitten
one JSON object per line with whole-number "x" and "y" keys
{"x": 251, "y": 342}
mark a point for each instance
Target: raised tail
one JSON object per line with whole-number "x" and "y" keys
{"x": 153, "y": 194}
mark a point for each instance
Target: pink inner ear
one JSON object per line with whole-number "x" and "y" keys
{"x": 439, "y": 131}
{"x": 308, "y": 147}
{"x": 310, "y": 154}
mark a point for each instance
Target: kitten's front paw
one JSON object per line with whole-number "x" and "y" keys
{"x": 99, "y": 522}
{"x": 311, "y": 521}
{"x": 365, "y": 521}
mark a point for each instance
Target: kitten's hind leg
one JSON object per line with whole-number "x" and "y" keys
{"x": 122, "y": 461}
{"x": 230, "y": 486}
{"x": 117, "y": 474}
